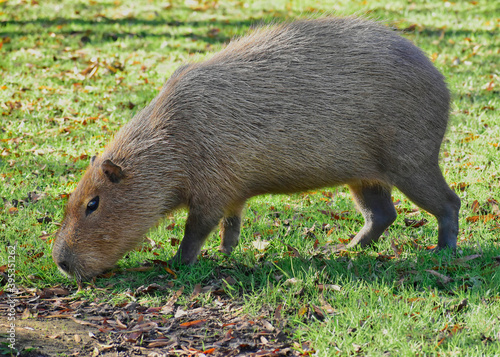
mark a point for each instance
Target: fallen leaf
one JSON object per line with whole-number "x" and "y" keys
{"x": 145, "y": 327}
{"x": 397, "y": 251}
{"x": 35, "y": 256}
{"x": 196, "y": 292}
{"x": 47, "y": 293}
{"x": 485, "y": 218}
{"x": 326, "y": 306}
{"x": 413, "y": 223}
{"x": 168, "y": 307}
{"x": 334, "y": 287}
{"x": 292, "y": 281}
{"x": 146, "y": 289}
{"x": 132, "y": 337}
{"x": 192, "y": 323}
{"x": 267, "y": 325}
{"x": 121, "y": 325}
{"x": 302, "y": 311}
{"x": 444, "y": 279}
{"x": 462, "y": 260}
{"x": 260, "y": 245}
{"x": 277, "y": 312}
{"x": 171, "y": 272}
{"x": 475, "y": 206}
{"x": 459, "y": 307}
{"x": 160, "y": 343}
{"x": 294, "y": 251}
{"x": 319, "y": 314}
{"x": 180, "y": 313}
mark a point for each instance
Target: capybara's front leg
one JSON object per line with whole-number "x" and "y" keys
{"x": 198, "y": 226}
{"x": 230, "y": 233}
{"x": 230, "y": 229}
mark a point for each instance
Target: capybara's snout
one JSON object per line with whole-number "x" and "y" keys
{"x": 64, "y": 258}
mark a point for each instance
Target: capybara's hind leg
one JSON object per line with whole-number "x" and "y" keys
{"x": 230, "y": 229}
{"x": 375, "y": 203}
{"x": 429, "y": 190}
{"x": 199, "y": 224}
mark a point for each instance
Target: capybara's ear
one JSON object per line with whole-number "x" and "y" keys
{"x": 113, "y": 171}
{"x": 92, "y": 159}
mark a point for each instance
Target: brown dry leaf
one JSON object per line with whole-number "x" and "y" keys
{"x": 45, "y": 236}
{"x": 413, "y": 223}
{"x": 462, "y": 260}
{"x": 319, "y": 313}
{"x": 326, "y": 306}
{"x": 485, "y": 218}
{"x": 459, "y": 307}
{"x": 36, "y": 256}
{"x": 444, "y": 279}
{"x": 229, "y": 280}
{"x": 147, "y": 289}
{"x": 461, "y": 186}
{"x": 293, "y": 250}
{"x": 121, "y": 325}
{"x": 277, "y": 312}
{"x": 160, "y": 343}
{"x": 145, "y": 327}
{"x": 194, "y": 323}
{"x": 171, "y": 272}
{"x": 337, "y": 216}
{"x": 174, "y": 242}
{"x": 196, "y": 292}
{"x": 160, "y": 262}
{"x": 168, "y": 307}
{"x": 132, "y": 337}
{"x": 475, "y": 206}
{"x": 495, "y": 206}
{"x": 47, "y": 293}
{"x": 397, "y": 251}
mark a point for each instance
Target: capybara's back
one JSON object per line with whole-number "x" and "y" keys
{"x": 298, "y": 106}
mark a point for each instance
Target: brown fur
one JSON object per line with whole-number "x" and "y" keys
{"x": 299, "y": 106}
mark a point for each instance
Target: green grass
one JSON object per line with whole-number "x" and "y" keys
{"x": 72, "y": 72}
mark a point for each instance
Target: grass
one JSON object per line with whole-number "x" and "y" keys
{"x": 72, "y": 72}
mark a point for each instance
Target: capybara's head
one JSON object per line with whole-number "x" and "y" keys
{"x": 106, "y": 216}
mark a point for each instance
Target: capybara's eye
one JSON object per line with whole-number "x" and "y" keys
{"x": 92, "y": 205}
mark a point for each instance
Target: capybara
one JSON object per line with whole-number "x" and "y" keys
{"x": 288, "y": 108}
